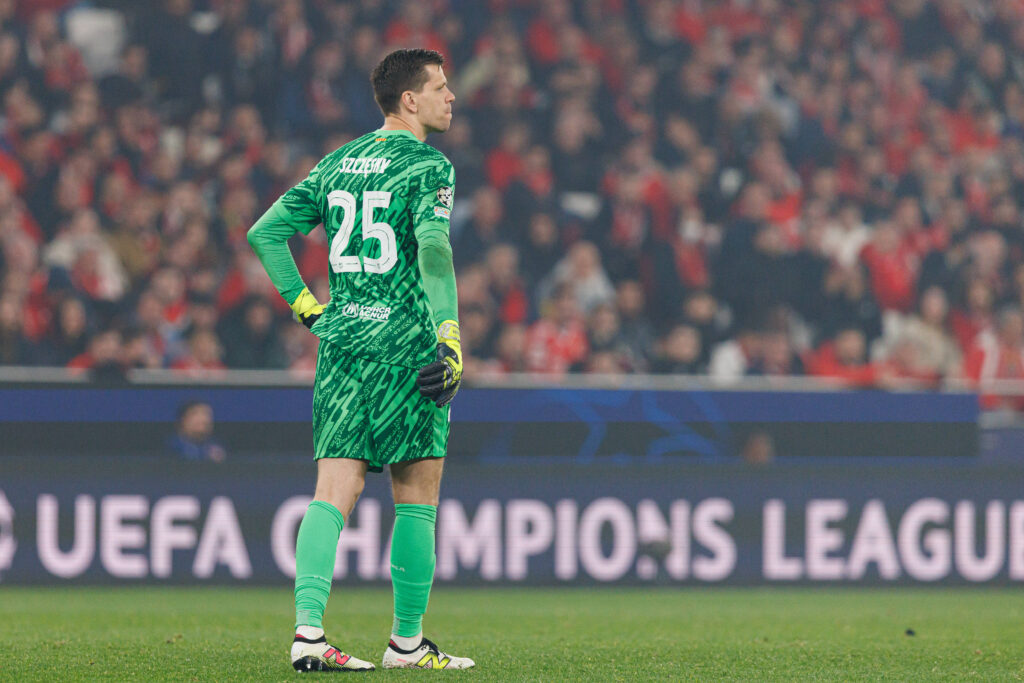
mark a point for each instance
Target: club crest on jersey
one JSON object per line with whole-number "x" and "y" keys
{"x": 444, "y": 195}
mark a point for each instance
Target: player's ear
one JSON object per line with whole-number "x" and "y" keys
{"x": 409, "y": 100}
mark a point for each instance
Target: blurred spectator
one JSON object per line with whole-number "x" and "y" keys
{"x": 69, "y": 335}
{"x": 733, "y": 358}
{"x": 510, "y": 353}
{"x": 557, "y": 341}
{"x": 506, "y": 286}
{"x": 81, "y": 249}
{"x": 193, "y": 434}
{"x": 975, "y": 315}
{"x": 637, "y": 333}
{"x": 582, "y": 273}
{"x": 103, "y": 360}
{"x": 203, "y": 356}
{"x": 485, "y": 228}
{"x": 758, "y": 449}
{"x": 850, "y": 303}
{"x": 998, "y": 355}
{"x": 533, "y": 188}
{"x": 604, "y": 335}
{"x": 478, "y": 327}
{"x": 846, "y": 235}
{"x": 543, "y": 248}
{"x": 176, "y": 51}
{"x": 300, "y": 350}
{"x": 15, "y": 348}
{"x": 844, "y": 358}
{"x": 930, "y": 350}
{"x": 680, "y": 352}
{"x": 251, "y": 339}
{"x": 605, "y": 363}
{"x": 137, "y": 353}
{"x": 129, "y": 84}
{"x": 777, "y": 358}
{"x": 575, "y": 159}
{"x": 702, "y": 312}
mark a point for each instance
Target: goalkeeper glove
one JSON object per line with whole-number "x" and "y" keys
{"x": 307, "y": 308}
{"x": 440, "y": 380}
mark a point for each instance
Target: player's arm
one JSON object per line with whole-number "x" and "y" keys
{"x": 296, "y": 211}
{"x": 439, "y": 380}
{"x": 437, "y": 270}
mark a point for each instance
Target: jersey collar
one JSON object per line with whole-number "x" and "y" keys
{"x": 402, "y": 131}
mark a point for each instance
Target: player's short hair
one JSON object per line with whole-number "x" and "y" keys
{"x": 400, "y": 71}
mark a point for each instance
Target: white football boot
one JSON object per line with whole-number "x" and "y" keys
{"x": 316, "y": 655}
{"x": 426, "y": 656}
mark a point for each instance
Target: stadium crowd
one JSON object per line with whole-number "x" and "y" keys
{"x": 730, "y": 187}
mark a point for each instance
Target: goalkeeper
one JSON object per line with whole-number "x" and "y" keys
{"x": 389, "y": 360}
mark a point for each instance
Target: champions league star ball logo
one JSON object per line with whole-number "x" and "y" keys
{"x": 444, "y": 195}
{"x": 7, "y": 542}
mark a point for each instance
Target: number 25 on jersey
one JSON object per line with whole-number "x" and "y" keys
{"x": 381, "y": 232}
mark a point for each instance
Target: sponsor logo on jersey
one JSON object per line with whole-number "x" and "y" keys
{"x": 442, "y": 212}
{"x": 354, "y": 310}
{"x": 375, "y": 312}
{"x": 444, "y": 195}
{"x": 364, "y": 166}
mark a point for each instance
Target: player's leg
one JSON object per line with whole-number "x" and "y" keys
{"x": 416, "y": 486}
{"x": 339, "y": 482}
{"x": 339, "y": 426}
{"x": 338, "y": 485}
{"x": 410, "y": 433}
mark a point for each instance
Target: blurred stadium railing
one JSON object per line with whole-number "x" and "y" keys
{"x": 621, "y": 417}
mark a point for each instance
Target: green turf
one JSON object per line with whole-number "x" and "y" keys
{"x": 218, "y": 634}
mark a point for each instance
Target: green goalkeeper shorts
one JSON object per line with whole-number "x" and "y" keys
{"x": 373, "y": 411}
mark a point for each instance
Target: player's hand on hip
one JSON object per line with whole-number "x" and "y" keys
{"x": 307, "y": 309}
{"x": 439, "y": 380}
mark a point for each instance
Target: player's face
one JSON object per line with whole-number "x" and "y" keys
{"x": 435, "y": 101}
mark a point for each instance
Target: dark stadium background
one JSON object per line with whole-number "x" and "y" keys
{"x": 740, "y": 286}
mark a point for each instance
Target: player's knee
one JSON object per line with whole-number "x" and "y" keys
{"x": 344, "y": 501}
{"x": 341, "y": 492}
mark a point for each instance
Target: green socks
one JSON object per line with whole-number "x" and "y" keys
{"x": 315, "y": 550}
{"x": 412, "y": 565}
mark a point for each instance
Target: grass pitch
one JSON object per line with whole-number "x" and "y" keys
{"x": 222, "y": 634}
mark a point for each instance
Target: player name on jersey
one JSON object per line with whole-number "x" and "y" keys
{"x": 364, "y": 166}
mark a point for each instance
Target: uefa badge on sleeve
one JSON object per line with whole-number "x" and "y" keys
{"x": 444, "y": 195}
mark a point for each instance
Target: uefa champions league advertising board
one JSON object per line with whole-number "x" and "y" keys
{"x": 546, "y": 486}
{"x": 122, "y": 520}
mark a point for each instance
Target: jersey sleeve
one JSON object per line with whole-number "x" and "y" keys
{"x": 433, "y": 197}
{"x": 431, "y": 213}
{"x": 269, "y": 239}
{"x": 300, "y": 206}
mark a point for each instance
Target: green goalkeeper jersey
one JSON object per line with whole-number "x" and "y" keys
{"x": 375, "y": 196}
